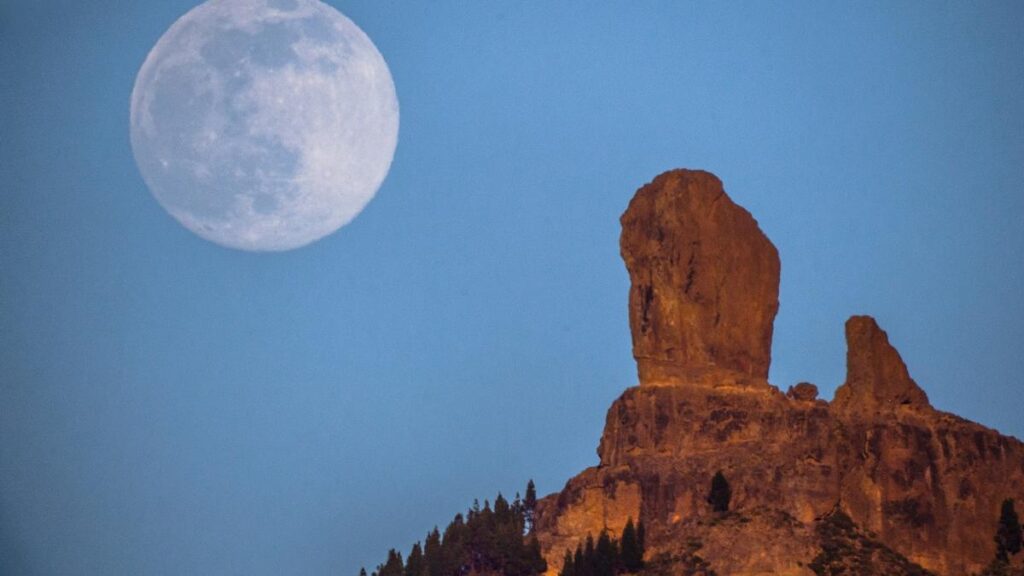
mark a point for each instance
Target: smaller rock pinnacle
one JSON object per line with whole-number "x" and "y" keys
{"x": 876, "y": 377}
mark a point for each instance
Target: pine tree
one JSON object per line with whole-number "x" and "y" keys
{"x": 394, "y": 566}
{"x": 606, "y": 556}
{"x": 579, "y": 562}
{"x": 362, "y": 571}
{"x": 568, "y": 567}
{"x": 519, "y": 514}
{"x": 433, "y": 555}
{"x": 487, "y": 540}
{"x": 589, "y": 557}
{"x": 530, "y": 504}
{"x": 535, "y": 558}
{"x": 630, "y": 550}
{"x": 414, "y": 564}
{"x": 501, "y": 509}
{"x": 1008, "y": 534}
{"x": 509, "y": 553}
{"x": 455, "y": 533}
{"x": 720, "y": 493}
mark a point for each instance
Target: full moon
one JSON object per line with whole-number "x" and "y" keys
{"x": 264, "y": 124}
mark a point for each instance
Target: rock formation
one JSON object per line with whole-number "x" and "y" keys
{"x": 804, "y": 391}
{"x": 876, "y": 377}
{"x": 876, "y": 481}
{"x": 705, "y": 283}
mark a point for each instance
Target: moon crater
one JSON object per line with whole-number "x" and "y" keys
{"x": 264, "y": 125}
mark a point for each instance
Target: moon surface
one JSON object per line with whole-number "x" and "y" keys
{"x": 264, "y": 124}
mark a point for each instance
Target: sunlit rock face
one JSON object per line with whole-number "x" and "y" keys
{"x": 705, "y": 283}
{"x": 877, "y": 380}
{"x": 917, "y": 485}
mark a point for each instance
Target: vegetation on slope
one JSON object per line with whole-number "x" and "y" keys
{"x": 486, "y": 540}
{"x": 846, "y": 550}
{"x": 608, "y": 557}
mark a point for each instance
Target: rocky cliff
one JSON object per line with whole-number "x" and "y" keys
{"x": 877, "y": 481}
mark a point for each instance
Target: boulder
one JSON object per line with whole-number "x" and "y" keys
{"x": 803, "y": 392}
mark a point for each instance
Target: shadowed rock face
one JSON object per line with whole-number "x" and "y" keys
{"x": 705, "y": 282}
{"x": 909, "y": 483}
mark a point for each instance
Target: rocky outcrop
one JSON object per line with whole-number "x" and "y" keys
{"x": 705, "y": 283}
{"x": 877, "y": 380}
{"x": 804, "y": 392}
{"x": 909, "y": 486}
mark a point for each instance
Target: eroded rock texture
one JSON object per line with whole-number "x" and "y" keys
{"x": 876, "y": 482}
{"x": 705, "y": 283}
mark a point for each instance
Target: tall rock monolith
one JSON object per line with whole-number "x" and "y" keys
{"x": 704, "y": 284}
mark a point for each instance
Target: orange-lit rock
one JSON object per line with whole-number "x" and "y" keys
{"x": 876, "y": 377}
{"x": 878, "y": 477}
{"x": 705, "y": 283}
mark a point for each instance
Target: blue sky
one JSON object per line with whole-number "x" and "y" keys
{"x": 169, "y": 406}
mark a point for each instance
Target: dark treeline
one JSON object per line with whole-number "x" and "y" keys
{"x": 489, "y": 540}
{"x": 607, "y": 557}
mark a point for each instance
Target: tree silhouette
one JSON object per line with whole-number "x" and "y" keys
{"x": 1008, "y": 534}
{"x": 535, "y": 562}
{"x": 589, "y": 557}
{"x": 394, "y": 566}
{"x": 579, "y": 562}
{"x": 530, "y": 504}
{"x": 568, "y": 566}
{"x": 630, "y": 549}
{"x": 720, "y": 493}
{"x": 488, "y": 540}
{"x": 414, "y": 564}
{"x": 606, "y": 556}
{"x": 432, "y": 556}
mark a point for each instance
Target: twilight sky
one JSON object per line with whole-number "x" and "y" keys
{"x": 168, "y": 406}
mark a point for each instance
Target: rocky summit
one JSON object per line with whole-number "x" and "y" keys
{"x": 875, "y": 482}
